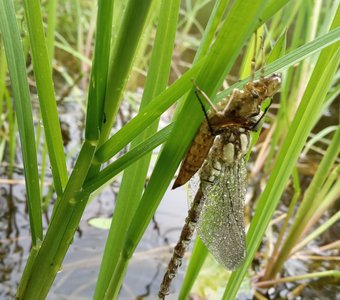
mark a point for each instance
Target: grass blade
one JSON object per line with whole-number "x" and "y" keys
{"x": 23, "y": 108}
{"x": 129, "y": 35}
{"x": 48, "y": 106}
{"x": 109, "y": 172}
{"x": 100, "y": 67}
{"x": 135, "y": 175}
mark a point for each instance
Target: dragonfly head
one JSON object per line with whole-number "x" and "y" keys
{"x": 264, "y": 88}
{"x": 273, "y": 84}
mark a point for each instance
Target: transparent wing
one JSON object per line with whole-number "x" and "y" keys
{"x": 221, "y": 225}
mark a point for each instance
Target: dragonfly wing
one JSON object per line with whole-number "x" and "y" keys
{"x": 221, "y": 225}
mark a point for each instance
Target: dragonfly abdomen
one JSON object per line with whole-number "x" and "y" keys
{"x": 197, "y": 152}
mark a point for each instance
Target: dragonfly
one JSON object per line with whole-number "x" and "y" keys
{"x": 218, "y": 151}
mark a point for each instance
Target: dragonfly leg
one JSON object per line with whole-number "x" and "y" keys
{"x": 204, "y": 111}
{"x": 205, "y": 96}
{"x": 254, "y": 127}
{"x": 234, "y": 95}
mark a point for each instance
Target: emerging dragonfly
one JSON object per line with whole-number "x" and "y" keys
{"x": 218, "y": 150}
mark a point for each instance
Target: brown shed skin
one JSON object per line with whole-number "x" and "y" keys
{"x": 241, "y": 110}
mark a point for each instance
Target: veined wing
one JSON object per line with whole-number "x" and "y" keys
{"x": 221, "y": 226}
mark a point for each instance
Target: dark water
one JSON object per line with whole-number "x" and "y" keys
{"x": 77, "y": 279}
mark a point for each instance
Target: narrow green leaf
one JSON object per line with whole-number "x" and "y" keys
{"x": 135, "y": 175}
{"x": 48, "y": 106}
{"x": 322, "y": 228}
{"x": 126, "y": 43}
{"x": 40, "y": 274}
{"x": 23, "y": 109}
{"x": 210, "y": 31}
{"x": 272, "y": 7}
{"x": 51, "y": 28}
{"x": 3, "y": 71}
{"x": 100, "y": 67}
{"x": 109, "y": 172}
{"x": 199, "y": 254}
